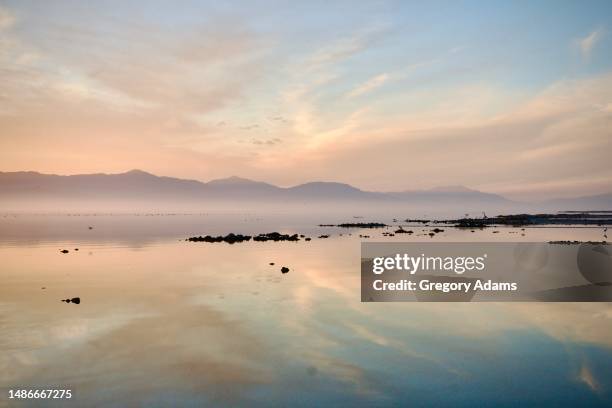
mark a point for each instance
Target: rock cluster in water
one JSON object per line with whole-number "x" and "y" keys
{"x": 276, "y": 236}
{"x": 232, "y": 238}
{"x": 75, "y": 300}
{"x": 413, "y": 220}
{"x": 356, "y": 225}
{"x": 518, "y": 220}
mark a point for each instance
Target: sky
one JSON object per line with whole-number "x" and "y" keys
{"x": 513, "y": 98}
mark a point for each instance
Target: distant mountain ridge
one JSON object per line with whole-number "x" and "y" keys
{"x": 138, "y": 185}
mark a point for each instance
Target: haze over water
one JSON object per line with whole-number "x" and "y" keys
{"x": 163, "y": 321}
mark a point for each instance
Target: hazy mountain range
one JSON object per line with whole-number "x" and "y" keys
{"x": 141, "y": 190}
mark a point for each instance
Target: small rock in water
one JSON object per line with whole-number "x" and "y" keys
{"x": 76, "y": 249}
{"x": 90, "y": 228}
{"x": 64, "y": 251}
{"x": 324, "y": 236}
{"x": 307, "y": 239}
{"x": 75, "y": 300}
{"x": 436, "y": 230}
{"x": 271, "y": 263}
{"x": 284, "y": 269}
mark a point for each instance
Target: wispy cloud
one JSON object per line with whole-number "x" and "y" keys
{"x": 7, "y": 18}
{"x": 586, "y": 44}
{"x": 346, "y": 47}
{"x": 369, "y": 85}
{"x": 587, "y": 377}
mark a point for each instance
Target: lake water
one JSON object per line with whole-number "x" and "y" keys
{"x": 164, "y": 322}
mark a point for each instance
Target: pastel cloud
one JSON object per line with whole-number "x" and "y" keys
{"x": 369, "y": 85}
{"x": 7, "y": 19}
{"x": 586, "y": 44}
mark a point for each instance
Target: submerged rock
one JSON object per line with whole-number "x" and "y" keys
{"x": 229, "y": 238}
{"x": 276, "y": 236}
{"x": 232, "y": 238}
{"x": 422, "y": 221}
{"x": 362, "y": 225}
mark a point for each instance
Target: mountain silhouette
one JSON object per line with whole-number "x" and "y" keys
{"x": 136, "y": 186}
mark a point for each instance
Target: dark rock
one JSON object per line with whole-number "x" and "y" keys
{"x": 271, "y": 263}
{"x": 403, "y": 231}
{"x": 64, "y": 251}
{"x": 323, "y": 236}
{"x": 76, "y": 249}
{"x": 276, "y": 236}
{"x": 232, "y": 238}
{"x": 520, "y": 220}
{"x": 90, "y": 228}
{"x": 431, "y": 234}
{"x": 436, "y": 230}
{"x": 75, "y": 300}
{"x": 362, "y": 225}
{"x": 284, "y": 269}
{"x": 307, "y": 239}
{"x": 229, "y": 238}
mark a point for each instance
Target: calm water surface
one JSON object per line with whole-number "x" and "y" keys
{"x": 164, "y": 322}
